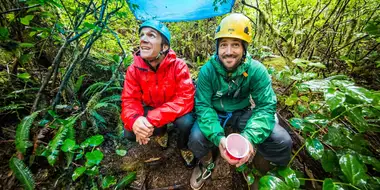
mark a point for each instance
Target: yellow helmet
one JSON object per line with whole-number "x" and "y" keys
{"x": 235, "y": 25}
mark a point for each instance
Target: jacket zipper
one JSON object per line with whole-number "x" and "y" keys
{"x": 221, "y": 103}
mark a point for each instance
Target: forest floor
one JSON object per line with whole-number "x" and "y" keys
{"x": 166, "y": 172}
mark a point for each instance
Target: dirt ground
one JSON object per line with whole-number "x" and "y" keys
{"x": 169, "y": 172}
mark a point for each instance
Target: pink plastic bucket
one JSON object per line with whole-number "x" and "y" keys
{"x": 237, "y": 146}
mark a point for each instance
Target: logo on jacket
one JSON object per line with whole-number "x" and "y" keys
{"x": 219, "y": 94}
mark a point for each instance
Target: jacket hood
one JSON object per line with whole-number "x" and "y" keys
{"x": 140, "y": 62}
{"x": 238, "y": 71}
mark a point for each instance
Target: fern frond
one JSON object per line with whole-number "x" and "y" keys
{"x": 96, "y": 87}
{"x": 70, "y": 135}
{"x": 113, "y": 98}
{"x": 97, "y": 116}
{"x": 22, "y": 172}
{"x": 93, "y": 101}
{"x": 104, "y": 104}
{"x": 54, "y": 145}
{"x": 22, "y": 132}
{"x": 114, "y": 88}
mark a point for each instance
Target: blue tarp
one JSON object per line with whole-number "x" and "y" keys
{"x": 179, "y": 10}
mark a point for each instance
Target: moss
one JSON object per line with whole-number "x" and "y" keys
{"x": 6, "y": 57}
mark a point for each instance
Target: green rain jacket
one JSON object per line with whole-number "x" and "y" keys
{"x": 218, "y": 90}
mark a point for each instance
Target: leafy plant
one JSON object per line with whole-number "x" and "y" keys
{"x": 22, "y": 133}
{"x": 22, "y": 173}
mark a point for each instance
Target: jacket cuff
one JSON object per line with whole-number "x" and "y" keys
{"x": 152, "y": 122}
{"x": 217, "y": 139}
{"x": 132, "y": 121}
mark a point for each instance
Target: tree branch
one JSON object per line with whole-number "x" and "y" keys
{"x": 19, "y": 9}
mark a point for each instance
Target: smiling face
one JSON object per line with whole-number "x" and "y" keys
{"x": 230, "y": 52}
{"x": 150, "y": 44}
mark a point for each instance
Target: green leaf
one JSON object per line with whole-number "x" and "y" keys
{"x": 68, "y": 145}
{"x": 318, "y": 65}
{"x": 315, "y": 148}
{"x": 304, "y": 98}
{"x": 80, "y": 155}
{"x": 301, "y": 62}
{"x": 359, "y": 93}
{"x": 296, "y": 123}
{"x": 242, "y": 168}
{"x": 301, "y": 124}
{"x": 338, "y": 111}
{"x": 78, "y": 172}
{"x": 334, "y": 98}
{"x": 4, "y": 33}
{"x": 318, "y": 119}
{"x": 121, "y": 152}
{"x": 126, "y": 181}
{"x": 95, "y": 140}
{"x": 94, "y": 158}
{"x": 26, "y": 20}
{"x": 93, "y": 171}
{"x": 290, "y": 177}
{"x": 22, "y": 173}
{"x": 250, "y": 179}
{"x": 372, "y": 161}
{"x": 291, "y": 100}
{"x": 26, "y": 45}
{"x": 24, "y": 76}
{"x": 329, "y": 161}
{"x": 356, "y": 118}
{"x": 328, "y": 184}
{"x": 79, "y": 82}
{"x": 271, "y": 182}
{"x": 108, "y": 181}
{"x": 22, "y": 132}
{"x": 303, "y": 76}
{"x": 26, "y": 58}
{"x": 353, "y": 169}
{"x": 52, "y": 113}
{"x": 53, "y": 148}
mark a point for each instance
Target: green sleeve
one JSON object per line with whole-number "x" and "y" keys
{"x": 262, "y": 121}
{"x": 206, "y": 115}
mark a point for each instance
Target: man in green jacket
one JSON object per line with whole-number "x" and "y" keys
{"x": 235, "y": 90}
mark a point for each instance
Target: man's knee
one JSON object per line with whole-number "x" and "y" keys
{"x": 283, "y": 138}
{"x": 198, "y": 143}
{"x": 185, "y": 122}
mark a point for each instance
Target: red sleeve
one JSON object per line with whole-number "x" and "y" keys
{"x": 181, "y": 104}
{"x": 131, "y": 98}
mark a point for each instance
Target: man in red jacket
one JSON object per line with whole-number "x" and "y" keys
{"x": 158, "y": 90}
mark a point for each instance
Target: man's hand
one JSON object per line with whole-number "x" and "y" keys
{"x": 223, "y": 152}
{"x": 143, "y": 130}
{"x": 251, "y": 152}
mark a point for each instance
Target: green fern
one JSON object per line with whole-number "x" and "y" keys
{"x": 22, "y": 172}
{"x": 96, "y": 87}
{"x": 126, "y": 181}
{"x": 113, "y": 88}
{"x": 104, "y": 104}
{"x": 54, "y": 145}
{"x": 22, "y": 133}
{"x": 70, "y": 135}
{"x": 97, "y": 116}
{"x": 113, "y": 98}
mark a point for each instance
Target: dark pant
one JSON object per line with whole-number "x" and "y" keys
{"x": 183, "y": 124}
{"x": 276, "y": 148}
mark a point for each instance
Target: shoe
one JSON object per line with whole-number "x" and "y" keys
{"x": 163, "y": 140}
{"x": 201, "y": 172}
{"x": 188, "y": 158}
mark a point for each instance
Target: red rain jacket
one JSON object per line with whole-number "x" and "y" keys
{"x": 169, "y": 90}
